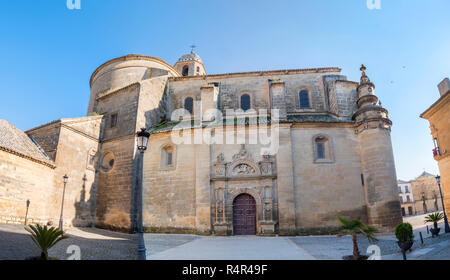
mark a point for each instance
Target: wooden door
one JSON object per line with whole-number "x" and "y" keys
{"x": 244, "y": 215}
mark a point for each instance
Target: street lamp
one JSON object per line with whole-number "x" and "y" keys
{"x": 142, "y": 141}
{"x": 447, "y": 228}
{"x": 26, "y": 214}
{"x": 65, "y": 178}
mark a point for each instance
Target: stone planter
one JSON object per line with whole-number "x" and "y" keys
{"x": 435, "y": 231}
{"x": 405, "y": 246}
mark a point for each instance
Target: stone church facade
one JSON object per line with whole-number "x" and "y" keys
{"x": 333, "y": 154}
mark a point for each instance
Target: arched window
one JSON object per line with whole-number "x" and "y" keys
{"x": 189, "y": 104}
{"x": 322, "y": 149}
{"x": 245, "y": 102}
{"x": 167, "y": 157}
{"x": 185, "y": 71}
{"x": 303, "y": 97}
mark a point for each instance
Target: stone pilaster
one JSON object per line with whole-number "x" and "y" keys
{"x": 278, "y": 97}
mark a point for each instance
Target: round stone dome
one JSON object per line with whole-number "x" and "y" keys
{"x": 190, "y": 57}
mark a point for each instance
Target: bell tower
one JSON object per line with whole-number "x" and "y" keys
{"x": 373, "y": 128}
{"x": 190, "y": 65}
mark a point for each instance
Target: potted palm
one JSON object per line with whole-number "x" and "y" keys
{"x": 434, "y": 218}
{"x": 354, "y": 228}
{"x": 405, "y": 236}
{"x": 45, "y": 238}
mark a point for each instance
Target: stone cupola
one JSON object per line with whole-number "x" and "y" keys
{"x": 190, "y": 64}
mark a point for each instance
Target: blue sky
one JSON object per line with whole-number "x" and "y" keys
{"x": 48, "y": 52}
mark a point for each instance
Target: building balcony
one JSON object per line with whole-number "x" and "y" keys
{"x": 436, "y": 152}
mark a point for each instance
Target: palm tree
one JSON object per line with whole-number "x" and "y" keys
{"x": 434, "y": 218}
{"x": 45, "y": 238}
{"x": 353, "y": 228}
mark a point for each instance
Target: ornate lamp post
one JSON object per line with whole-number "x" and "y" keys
{"x": 447, "y": 228}
{"x": 142, "y": 141}
{"x": 65, "y": 178}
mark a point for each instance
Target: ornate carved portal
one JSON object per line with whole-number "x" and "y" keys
{"x": 243, "y": 177}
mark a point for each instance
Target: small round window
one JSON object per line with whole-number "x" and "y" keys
{"x": 107, "y": 162}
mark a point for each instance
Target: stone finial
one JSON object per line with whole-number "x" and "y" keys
{"x": 364, "y": 78}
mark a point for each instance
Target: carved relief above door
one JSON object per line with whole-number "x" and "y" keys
{"x": 247, "y": 178}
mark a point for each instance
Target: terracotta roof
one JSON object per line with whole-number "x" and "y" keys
{"x": 15, "y": 141}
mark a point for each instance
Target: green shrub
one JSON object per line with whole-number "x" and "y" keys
{"x": 404, "y": 232}
{"x": 45, "y": 238}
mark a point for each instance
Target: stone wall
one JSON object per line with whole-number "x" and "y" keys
{"x": 439, "y": 117}
{"x": 22, "y": 179}
{"x": 425, "y": 189}
{"x": 307, "y": 195}
{"x": 72, "y": 142}
{"x": 72, "y": 159}
{"x": 114, "y": 209}
{"x": 124, "y": 71}
{"x": 380, "y": 180}
{"x": 117, "y": 164}
{"x": 257, "y": 86}
{"x": 170, "y": 195}
{"x": 325, "y": 190}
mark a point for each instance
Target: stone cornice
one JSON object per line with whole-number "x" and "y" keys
{"x": 53, "y": 166}
{"x": 347, "y": 82}
{"x": 56, "y": 122}
{"x": 80, "y": 132}
{"x": 436, "y": 106}
{"x": 369, "y": 108}
{"x": 132, "y": 57}
{"x": 259, "y": 73}
{"x": 365, "y": 84}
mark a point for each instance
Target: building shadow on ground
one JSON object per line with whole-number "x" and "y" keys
{"x": 94, "y": 244}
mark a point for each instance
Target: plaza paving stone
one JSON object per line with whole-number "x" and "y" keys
{"x": 95, "y": 244}
{"x": 98, "y": 244}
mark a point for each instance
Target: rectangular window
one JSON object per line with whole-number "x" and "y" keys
{"x": 169, "y": 159}
{"x": 304, "y": 99}
{"x": 113, "y": 120}
{"x": 320, "y": 150}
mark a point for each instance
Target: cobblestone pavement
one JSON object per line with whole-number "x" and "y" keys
{"x": 95, "y": 244}
{"x": 166, "y": 247}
